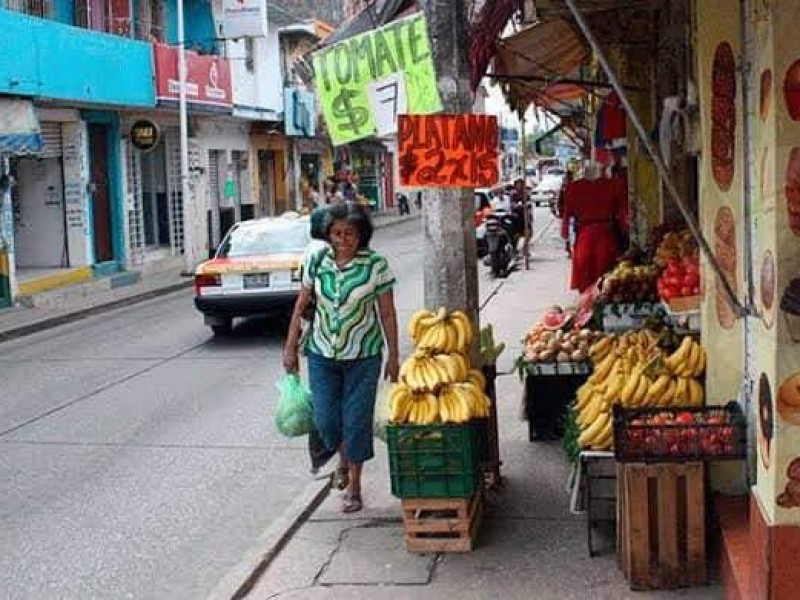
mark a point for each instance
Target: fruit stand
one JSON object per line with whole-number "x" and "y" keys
{"x": 439, "y": 434}
{"x": 553, "y": 366}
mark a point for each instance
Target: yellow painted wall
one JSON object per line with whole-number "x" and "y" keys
{"x": 721, "y": 212}
{"x": 778, "y": 242}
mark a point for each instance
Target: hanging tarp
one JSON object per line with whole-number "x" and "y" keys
{"x": 529, "y": 63}
{"x": 20, "y": 133}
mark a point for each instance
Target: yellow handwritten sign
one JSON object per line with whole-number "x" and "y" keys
{"x": 364, "y": 82}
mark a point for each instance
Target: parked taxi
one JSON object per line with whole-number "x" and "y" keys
{"x": 255, "y": 271}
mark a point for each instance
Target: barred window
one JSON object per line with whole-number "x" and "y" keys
{"x": 36, "y": 8}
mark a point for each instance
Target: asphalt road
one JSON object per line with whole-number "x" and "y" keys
{"x": 137, "y": 453}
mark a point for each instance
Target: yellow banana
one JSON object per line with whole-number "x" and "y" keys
{"x": 440, "y": 367}
{"x": 462, "y": 364}
{"x": 657, "y": 390}
{"x": 629, "y": 389}
{"x": 674, "y": 359}
{"x": 591, "y": 432}
{"x": 669, "y": 395}
{"x": 611, "y": 395}
{"x": 641, "y": 390}
{"x": 445, "y": 407}
{"x": 431, "y": 408}
{"x": 588, "y": 416}
{"x": 682, "y": 391}
{"x": 415, "y": 323}
{"x": 701, "y": 363}
{"x": 461, "y": 399}
{"x": 600, "y": 349}
{"x": 605, "y": 437}
{"x": 476, "y": 377}
{"x": 686, "y": 367}
{"x": 696, "y": 393}
{"x": 464, "y": 326}
{"x": 602, "y": 369}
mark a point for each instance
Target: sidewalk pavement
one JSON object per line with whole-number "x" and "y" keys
{"x": 76, "y": 302}
{"x": 530, "y": 544}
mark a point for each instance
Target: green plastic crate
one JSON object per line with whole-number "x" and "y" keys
{"x": 434, "y": 461}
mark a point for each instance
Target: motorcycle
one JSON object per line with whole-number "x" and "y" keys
{"x": 501, "y": 239}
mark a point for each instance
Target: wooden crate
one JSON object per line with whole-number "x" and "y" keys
{"x": 442, "y": 524}
{"x": 661, "y": 509}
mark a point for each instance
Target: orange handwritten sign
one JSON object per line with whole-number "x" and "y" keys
{"x": 448, "y": 150}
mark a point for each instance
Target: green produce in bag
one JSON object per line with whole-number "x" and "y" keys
{"x": 295, "y": 416}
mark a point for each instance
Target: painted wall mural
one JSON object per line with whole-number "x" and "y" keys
{"x": 768, "y": 288}
{"x": 791, "y": 90}
{"x": 766, "y": 420}
{"x": 723, "y": 116}
{"x": 790, "y": 307}
{"x": 790, "y": 497}
{"x": 766, "y": 94}
{"x": 792, "y": 190}
{"x": 725, "y": 252}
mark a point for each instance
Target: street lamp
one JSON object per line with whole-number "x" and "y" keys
{"x": 187, "y": 203}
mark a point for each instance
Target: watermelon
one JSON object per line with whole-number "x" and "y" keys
{"x": 555, "y": 318}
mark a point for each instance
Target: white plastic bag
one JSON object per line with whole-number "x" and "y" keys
{"x": 381, "y": 417}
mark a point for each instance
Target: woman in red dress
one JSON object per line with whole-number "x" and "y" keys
{"x": 598, "y": 207}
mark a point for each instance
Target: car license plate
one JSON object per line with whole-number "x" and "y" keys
{"x": 256, "y": 280}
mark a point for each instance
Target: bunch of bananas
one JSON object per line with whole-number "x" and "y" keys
{"x": 426, "y": 372}
{"x": 437, "y": 383}
{"x": 441, "y": 331}
{"x": 454, "y": 403}
{"x": 632, "y": 371}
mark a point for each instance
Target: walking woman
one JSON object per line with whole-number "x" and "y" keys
{"x": 354, "y": 317}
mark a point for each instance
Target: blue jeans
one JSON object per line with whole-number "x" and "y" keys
{"x": 344, "y": 402}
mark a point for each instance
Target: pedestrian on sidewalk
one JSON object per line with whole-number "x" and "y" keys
{"x": 596, "y": 205}
{"x": 351, "y": 287}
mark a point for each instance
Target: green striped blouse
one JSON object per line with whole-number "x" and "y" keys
{"x": 346, "y": 323}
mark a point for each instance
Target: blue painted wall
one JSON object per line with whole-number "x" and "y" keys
{"x": 64, "y": 11}
{"x": 69, "y": 63}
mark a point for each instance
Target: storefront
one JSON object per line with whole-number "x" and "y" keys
{"x": 270, "y": 151}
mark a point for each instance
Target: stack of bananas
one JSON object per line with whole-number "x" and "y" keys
{"x": 632, "y": 371}
{"x": 437, "y": 383}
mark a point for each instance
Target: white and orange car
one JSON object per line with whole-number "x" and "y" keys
{"x": 255, "y": 271}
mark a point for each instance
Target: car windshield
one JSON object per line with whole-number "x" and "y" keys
{"x": 266, "y": 239}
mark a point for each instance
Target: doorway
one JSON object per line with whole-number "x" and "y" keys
{"x": 101, "y": 193}
{"x": 266, "y": 180}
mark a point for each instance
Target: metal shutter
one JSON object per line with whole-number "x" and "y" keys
{"x": 51, "y": 137}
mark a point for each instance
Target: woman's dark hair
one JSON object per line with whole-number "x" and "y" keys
{"x": 319, "y": 222}
{"x": 354, "y": 214}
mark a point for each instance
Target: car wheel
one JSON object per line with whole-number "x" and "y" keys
{"x": 222, "y": 328}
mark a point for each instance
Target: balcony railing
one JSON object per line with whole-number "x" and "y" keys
{"x": 35, "y": 8}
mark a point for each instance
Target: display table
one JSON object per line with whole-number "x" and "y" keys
{"x": 549, "y": 389}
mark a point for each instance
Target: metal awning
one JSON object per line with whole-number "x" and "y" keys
{"x": 20, "y": 133}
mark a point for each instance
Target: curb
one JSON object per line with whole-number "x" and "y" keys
{"x": 50, "y": 322}
{"x": 240, "y": 579}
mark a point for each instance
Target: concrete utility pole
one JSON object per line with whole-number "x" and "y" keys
{"x": 451, "y": 270}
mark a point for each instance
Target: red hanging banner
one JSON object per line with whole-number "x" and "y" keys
{"x": 460, "y": 151}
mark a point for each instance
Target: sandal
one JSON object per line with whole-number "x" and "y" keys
{"x": 351, "y": 503}
{"x": 341, "y": 479}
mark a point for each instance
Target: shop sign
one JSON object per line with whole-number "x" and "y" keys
{"x": 145, "y": 135}
{"x": 244, "y": 18}
{"x": 458, "y": 151}
{"x": 365, "y": 81}
{"x": 208, "y": 78}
